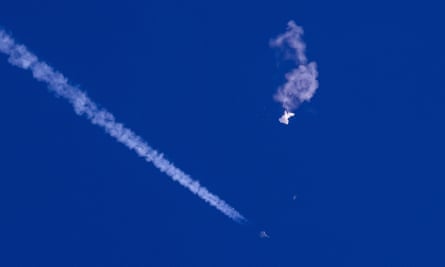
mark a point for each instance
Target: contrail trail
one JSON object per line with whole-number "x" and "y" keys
{"x": 301, "y": 81}
{"x": 19, "y": 56}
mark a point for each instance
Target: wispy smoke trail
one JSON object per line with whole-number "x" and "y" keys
{"x": 302, "y": 80}
{"x": 19, "y": 56}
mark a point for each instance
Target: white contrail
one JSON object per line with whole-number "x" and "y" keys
{"x": 19, "y": 56}
{"x": 302, "y": 80}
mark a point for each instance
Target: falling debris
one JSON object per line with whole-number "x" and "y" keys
{"x": 263, "y": 234}
{"x": 301, "y": 81}
{"x": 285, "y": 118}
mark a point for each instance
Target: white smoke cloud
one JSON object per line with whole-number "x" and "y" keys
{"x": 301, "y": 82}
{"x": 19, "y": 56}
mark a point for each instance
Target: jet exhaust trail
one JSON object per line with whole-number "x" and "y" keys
{"x": 19, "y": 56}
{"x": 301, "y": 81}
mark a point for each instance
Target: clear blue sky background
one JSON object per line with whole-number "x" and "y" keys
{"x": 365, "y": 157}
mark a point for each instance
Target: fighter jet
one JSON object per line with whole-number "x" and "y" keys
{"x": 263, "y": 234}
{"x": 285, "y": 118}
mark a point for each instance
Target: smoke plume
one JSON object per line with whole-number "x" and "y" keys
{"x": 301, "y": 82}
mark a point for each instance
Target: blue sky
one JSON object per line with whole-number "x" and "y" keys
{"x": 195, "y": 79}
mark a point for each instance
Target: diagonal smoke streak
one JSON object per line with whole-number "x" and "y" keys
{"x": 301, "y": 81}
{"x": 19, "y": 56}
